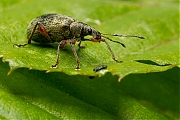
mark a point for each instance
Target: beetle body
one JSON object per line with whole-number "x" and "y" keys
{"x": 59, "y": 28}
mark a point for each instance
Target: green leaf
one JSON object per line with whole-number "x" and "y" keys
{"x": 141, "y": 94}
{"x": 30, "y": 94}
{"x": 56, "y": 95}
{"x": 158, "y": 52}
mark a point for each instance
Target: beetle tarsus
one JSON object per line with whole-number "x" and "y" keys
{"x": 118, "y": 61}
{"x": 54, "y": 66}
{"x": 78, "y": 67}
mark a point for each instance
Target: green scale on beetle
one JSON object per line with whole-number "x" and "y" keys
{"x": 49, "y": 28}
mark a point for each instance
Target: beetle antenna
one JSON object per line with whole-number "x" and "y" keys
{"x": 123, "y": 35}
{"x": 113, "y": 40}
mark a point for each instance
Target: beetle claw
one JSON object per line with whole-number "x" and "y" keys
{"x": 77, "y": 68}
{"x": 54, "y": 66}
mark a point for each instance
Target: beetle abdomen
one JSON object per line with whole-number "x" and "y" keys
{"x": 56, "y": 25}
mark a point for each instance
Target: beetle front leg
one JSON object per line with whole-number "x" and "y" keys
{"x": 62, "y": 43}
{"x": 109, "y": 48}
{"x": 72, "y": 42}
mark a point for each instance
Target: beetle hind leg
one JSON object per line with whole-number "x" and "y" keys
{"x": 41, "y": 29}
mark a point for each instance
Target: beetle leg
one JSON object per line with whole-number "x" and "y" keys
{"x": 109, "y": 48}
{"x": 62, "y": 43}
{"x": 81, "y": 39}
{"x": 79, "y": 45}
{"x": 42, "y": 30}
{"x": 112, "y": 54}
{"x": 72, "y": 42}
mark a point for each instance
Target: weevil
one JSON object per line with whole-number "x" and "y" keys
{"x": 100, "y": 68}
{"x": 49, "y": 28}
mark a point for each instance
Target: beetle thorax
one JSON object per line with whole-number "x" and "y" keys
{"x": 80, "y": 29}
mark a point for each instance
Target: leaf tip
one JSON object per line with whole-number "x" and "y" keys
{"x": 119, "y": 79}
{"x": 10, "y": 71}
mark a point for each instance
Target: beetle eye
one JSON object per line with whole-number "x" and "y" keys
{"x": 98, "y": 35}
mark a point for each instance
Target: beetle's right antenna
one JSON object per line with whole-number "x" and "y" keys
{"x": 123, "y": 35}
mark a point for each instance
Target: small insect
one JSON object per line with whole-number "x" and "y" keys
{"x": 100, "y": 68}
{"x": 49, "y": 28}
{"x": 91, "y": 77}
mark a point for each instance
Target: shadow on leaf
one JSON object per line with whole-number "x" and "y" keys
{"x": 149, "y": 62}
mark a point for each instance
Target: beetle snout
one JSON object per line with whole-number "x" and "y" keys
{"x": 96, "y": 40}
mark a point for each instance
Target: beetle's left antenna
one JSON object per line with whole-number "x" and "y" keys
{"x": 102, "y": 34}
{"x": 113, "y": 40}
